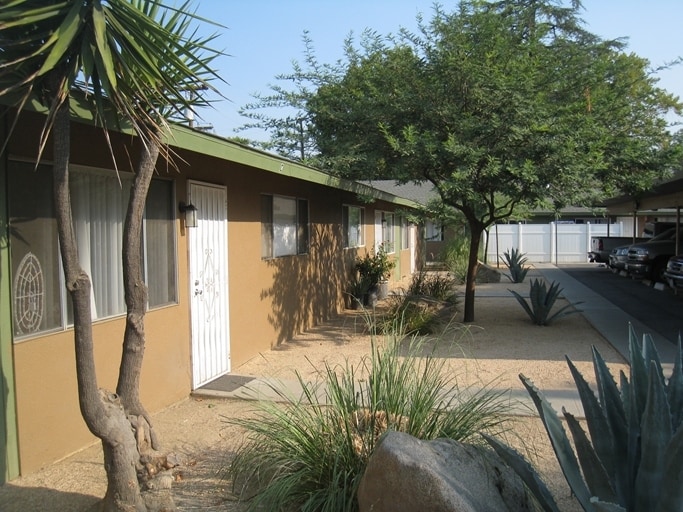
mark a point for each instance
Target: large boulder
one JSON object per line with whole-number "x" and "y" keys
{"x": 488, "y": 274}
{"x": 405, "y": 474}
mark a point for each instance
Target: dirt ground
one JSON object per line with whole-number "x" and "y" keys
{"x": 500, "y": 344}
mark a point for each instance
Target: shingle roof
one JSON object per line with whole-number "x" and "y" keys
{"x": 420, "y": 193}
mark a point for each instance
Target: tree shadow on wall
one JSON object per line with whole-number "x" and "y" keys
{"x": 309, "y": 289}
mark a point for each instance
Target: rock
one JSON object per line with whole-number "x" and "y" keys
{"x": 488, "y": 274}
{"x": 405, "y": 474}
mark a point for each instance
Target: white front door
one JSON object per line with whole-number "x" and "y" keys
{"x": 208, "y": 261}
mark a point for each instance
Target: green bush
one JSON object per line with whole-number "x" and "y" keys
{"x": 412, "y": 314}
{"x": 632, "y": 459}
{"x": 515, "y": 260}
{"x": 357, "y": 288}
{"x": 456, "y": 257}
{"x": 309, "y": 452}
{"x": 542, "y": 300}
{"x": 436, "y": 285}
{"x": 374, "y": 267}
{"x": 427, "y": 307}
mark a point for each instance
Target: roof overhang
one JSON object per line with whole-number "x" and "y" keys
{"x": 665, "y": 195}
{"x": 196, "y": 141}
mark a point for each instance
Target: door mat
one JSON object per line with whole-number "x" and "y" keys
{"x": 227, "y": 383}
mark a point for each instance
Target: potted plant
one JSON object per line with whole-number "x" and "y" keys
{"x": 374, "y": 268}
{"x": 357, "y": 291}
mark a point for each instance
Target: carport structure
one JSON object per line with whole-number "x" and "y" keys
{"x": 667, "y": 194}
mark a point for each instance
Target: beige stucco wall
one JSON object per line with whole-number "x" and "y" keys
{"x": 49, "y": 419}
{"x": 270, "y": 301}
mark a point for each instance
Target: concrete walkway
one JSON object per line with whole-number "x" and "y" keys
{"x": 606, "y": 318}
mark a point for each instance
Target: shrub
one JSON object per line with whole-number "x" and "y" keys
{"x": 374, "y": 267}
{"x": 413, "y": 314}
{"x": 542, "y": 300}
{"x": 309, "y": 452}
{"x": 357, "y": 288}
{"x": 633, "y": 460}
{"x": 515, "y": 260}
{"x": 456, "y": 257}
{"x": 426, "y": 308}
{"x": 437, "y": 285}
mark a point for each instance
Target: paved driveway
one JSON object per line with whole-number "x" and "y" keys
{"x": 660, "y": 310}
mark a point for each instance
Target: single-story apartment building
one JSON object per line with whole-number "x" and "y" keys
{"x": 269, "y": 255}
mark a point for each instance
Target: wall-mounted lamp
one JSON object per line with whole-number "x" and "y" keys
{"x": 190, "y": 212}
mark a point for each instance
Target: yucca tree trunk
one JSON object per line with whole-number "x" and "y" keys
{"x": 128, "y": 386}
{"x": 153, "y": 464}
{"x": 129, "y": 455}
{"x": 102, "y": 412}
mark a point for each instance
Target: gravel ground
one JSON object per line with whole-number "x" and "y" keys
{"x": 500, "y": 344}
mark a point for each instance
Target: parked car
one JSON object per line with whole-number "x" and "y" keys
{"x": 602, "y": 246}
{"x": 649, "y": 259}
{"x": 674, "y": 272}
{"x": 618, "y": 257}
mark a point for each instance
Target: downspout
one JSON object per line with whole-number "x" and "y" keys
{"x": 9, "y": 443}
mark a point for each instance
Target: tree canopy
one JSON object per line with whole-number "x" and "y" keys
{"x": 497, "y": 104}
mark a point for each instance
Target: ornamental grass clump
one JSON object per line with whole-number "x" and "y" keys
{"x": 541, "y": 302}
{"x": 456, "y": 257}
{"x": 309, "y": 451}
{"x": 426, "y": 307}
{"x": 435, "y": 285}
{"x": 632, "y": 459}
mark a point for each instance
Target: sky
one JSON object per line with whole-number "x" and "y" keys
{"x": 263, "y": 37}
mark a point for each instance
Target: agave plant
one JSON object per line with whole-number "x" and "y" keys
{"x": 542, "y": 300}
{"x": 633, "y": 459}
{"x": 515, "y": 260}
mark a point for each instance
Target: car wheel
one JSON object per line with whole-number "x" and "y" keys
{"x": 658, "y": 269}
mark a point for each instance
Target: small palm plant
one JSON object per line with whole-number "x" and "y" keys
{"x": 515, "y": 260}
{"x": 309, "y": 453}
{"x": 633, "y": 459}
{"x": 542, "y": 300}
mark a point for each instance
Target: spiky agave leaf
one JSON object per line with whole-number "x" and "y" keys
{"x": 598, "y": 426}
{"x": 592, "y": 467}
{"x": 561, "y": 445}
{"x": 615, "y": 414}
{"x": 675, "y": 387}
{"x": 526, "y": 472}
{"x": 655, "y": 437}
{"x": 672, "y": 469}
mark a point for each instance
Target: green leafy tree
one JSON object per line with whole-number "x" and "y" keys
{"x": 497, "y": 104}
{"x": 132, "y": 63}
{"x": 290, "y": 134}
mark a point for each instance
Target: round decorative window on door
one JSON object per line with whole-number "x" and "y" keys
{"x": 29, "y": 295}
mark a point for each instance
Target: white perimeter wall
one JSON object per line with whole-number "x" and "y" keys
{"x": 548, "y": 243}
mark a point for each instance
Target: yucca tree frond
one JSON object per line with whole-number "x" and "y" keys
{"x": 138, "y": 59}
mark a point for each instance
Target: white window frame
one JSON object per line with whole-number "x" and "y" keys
{"x": 285, "y": 227}
{"x": 385, "y": 231}
{"x": 433, "y": 231}
{"x": 354, "y": 233}
{"x": 91, "y": 251}
{"x": 405, "y": 232}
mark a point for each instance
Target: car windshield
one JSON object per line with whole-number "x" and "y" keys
{"x": 665, "y": 235}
